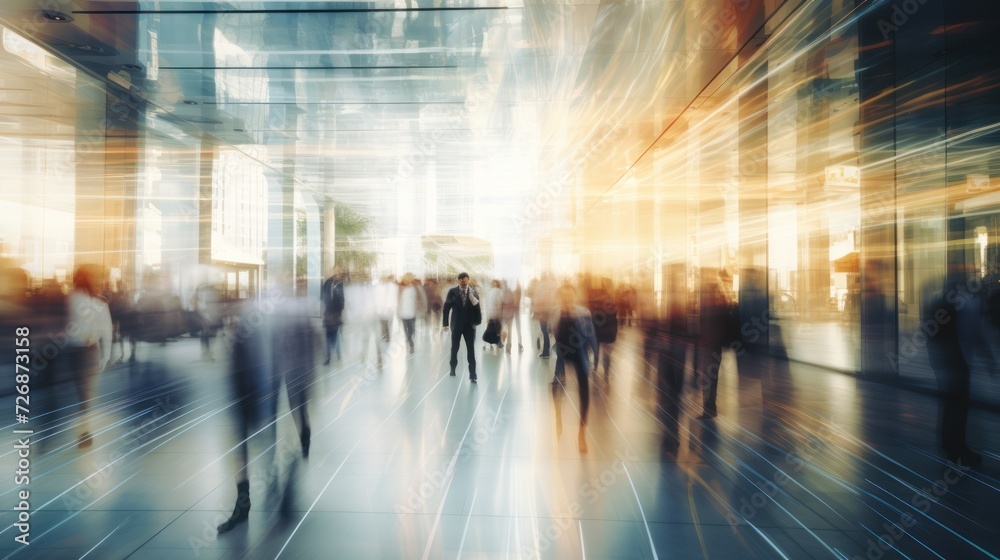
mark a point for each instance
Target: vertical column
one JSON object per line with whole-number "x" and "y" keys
{"x": 313, "y": 248}
{"x": 279, "y": 33}
{"x": 814, "y": 230}
{"x": 91, "y": 149}
{"x": 876, "y": 76}
{"x": 751, "y": 182}
{"x": 672, "y": 205}
{"x": 280, "y": 274}
{"x": 329, "y": 240}
{"x": 752, "y": 185}
{"x": 121, "y": 165}
{"x": 644, "y": 231}
{"x": 280, "y": 230}
{"x": 106, "y": 165}
{"x": 206, "y": 169}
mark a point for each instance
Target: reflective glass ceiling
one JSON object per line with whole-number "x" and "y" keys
{"x": 357, "y": 100}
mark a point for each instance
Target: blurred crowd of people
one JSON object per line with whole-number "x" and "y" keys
{"x": 275, "y": 342}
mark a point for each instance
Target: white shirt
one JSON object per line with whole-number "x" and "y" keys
{"x": 386, "y": 294}
{"x": 494, "y": 299}
{"x": 89, "y": 323}
{"x": 408, "y": 303}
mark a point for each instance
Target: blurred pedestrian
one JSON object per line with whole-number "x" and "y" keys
{"x": 332, "y": 298}
{"x": 952, "y": 321}
{"x": 209, "y": 312}
{"x": 604, "y": 310}
{"x": 666, "y": 345}
{"x": 407, "y": 308}
{"x": 574, "y": 334}
{"x": 271, "y": 348}
{"x": 494, "y": 319}
{"x": 542, "y": 304}
{"x": 387, "y": 298}
{"x": 717, "y": 326}
{"x": 88, "y": 348}
{"x": 511, "y": 316}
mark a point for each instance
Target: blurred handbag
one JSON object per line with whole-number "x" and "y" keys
{"x": 492, "y": 333}
{"x": 477, "y": 311}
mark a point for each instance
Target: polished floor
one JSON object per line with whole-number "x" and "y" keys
{"x": 408, "y": 462}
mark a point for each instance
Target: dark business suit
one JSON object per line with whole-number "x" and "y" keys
{"x": 463, "y": 317}
{"x": 332, "y": 296}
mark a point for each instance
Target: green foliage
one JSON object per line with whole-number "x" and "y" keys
{"x": 354, "y": 238}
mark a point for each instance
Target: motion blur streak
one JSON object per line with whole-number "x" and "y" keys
{"x": 488, "y": 279}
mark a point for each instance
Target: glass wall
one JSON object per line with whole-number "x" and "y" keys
{"x": 947, "y": 133}
{"x": 49, "y": 153}
{"x": 835, "y": 169}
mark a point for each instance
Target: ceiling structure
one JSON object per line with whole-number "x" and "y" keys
{"x": 384, "y": 104}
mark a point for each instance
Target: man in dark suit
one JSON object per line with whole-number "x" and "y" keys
{"x": 332, "y": 296}
{"x": 461, "y": 307}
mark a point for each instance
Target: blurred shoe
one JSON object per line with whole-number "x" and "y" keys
{"x": 544, "y": 355}
{"x": 708, "y": 415}
{"x": 304, "y": 439}
{"x": 965, "y": 460}
{"x": 472, "y": 378}
{"x": 85, "y": 440}
{"x": 582, "y": 441}
{"x": 452, "y": 373}
{"x": 326, "y": 362}
{"x": 242, "y": 509}
{"x": 520, "y": 348}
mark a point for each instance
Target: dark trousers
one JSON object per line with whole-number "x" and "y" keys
{"x": 607, "y": 356}
{"x": 709, "y": 365}
{"x": 469, "y": 334}
{"x": 85, "y": 364}
{"x": 545, "y": 336}
{"x": 331, "y": 341}
{"x": 408, "y": 327}
{"x": 582, "y": 379}
{"x": 206, "y": 340}
{"x": 670, "y": 382}
{"x": 955, "y": 386}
